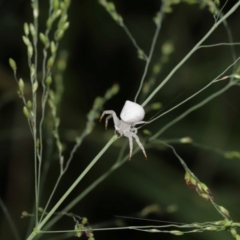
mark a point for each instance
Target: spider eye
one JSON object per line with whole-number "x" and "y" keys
{"x": 132, "y": 112}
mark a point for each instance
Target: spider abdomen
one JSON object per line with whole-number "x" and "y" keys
{"x": 132, "y": 112}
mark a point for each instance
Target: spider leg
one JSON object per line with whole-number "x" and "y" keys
{"x": 133, "y": 134}
{"x": 139, "y": 144}
{"x": 112, "y": 114}
{"x": 130, "y": 146}
{"x": 100, "y": 119}
{"x": 106, "y": 120}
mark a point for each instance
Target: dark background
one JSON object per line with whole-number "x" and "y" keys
{"x": 100, "y": 54}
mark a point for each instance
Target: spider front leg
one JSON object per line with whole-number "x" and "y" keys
{"x": 106, "y": 121}
{"x": 112, "y": 114}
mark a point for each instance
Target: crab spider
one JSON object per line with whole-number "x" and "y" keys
{"x": 131, "y": 115}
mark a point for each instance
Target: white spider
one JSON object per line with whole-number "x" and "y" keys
{"x": 131, "y": 115}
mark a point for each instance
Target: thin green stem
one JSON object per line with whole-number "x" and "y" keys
{"x": 230, "y": 37}
{"x": 194, "y": 49}
{"x": 210, "y": 148}
{"x": 180, "y": 117}
{"x": 45, "y": 95}
{"x": 149, "y": 58}
{"x": 186, "y": 168}
{"x": 92, "y": 116}
{"x": 184, "y": 101}
{"x": 81, "y": 176}
{"x": 33, "y": 81}
{"x": 63, "y": 171}
{"x": 10, "y": 221}
{"x": 220, "y": 44}
{"x": 196, "y": 227}
{"x": 43, "y": 101}
{"x": 217, "y": 79}
{"x": 132, "y": 39}
{"x": 120, "y": 161}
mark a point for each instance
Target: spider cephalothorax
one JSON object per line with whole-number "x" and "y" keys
{"x": 132, "y": 114}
